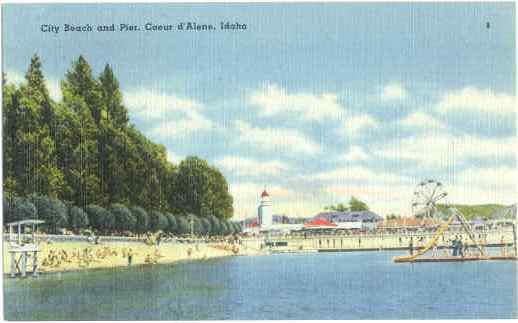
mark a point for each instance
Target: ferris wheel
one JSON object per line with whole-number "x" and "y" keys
{"x": 428, "y": 195}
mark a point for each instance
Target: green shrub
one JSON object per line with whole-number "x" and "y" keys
{"x": 182, "y": 225}
{"x": 52, "y": 211}
{"x": 124, "y": 219}
{"x": 100, "y": 218}
{"x": 157, "y": 221}
{"x": 142, "y": 219}
{"x": 77, "y": 218}
{"x": 22, "y": 209}
{"x": 171, "y": 219}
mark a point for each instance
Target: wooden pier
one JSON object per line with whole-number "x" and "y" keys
{"x": 23, "y": 249}
{"x": 20, "y": 260}
{"x": 453, "y": 258}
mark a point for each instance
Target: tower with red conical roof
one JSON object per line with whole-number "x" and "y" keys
{"x": 264, "y": 211}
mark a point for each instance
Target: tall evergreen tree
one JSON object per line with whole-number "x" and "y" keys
{"x": 36, "y": 87}
{"x": 34, "y": 150}
{"x": 114, "y": 120}
{"x": 10, "y": 113}
{"x": 80, "y": 83}
{"x": 80, "y": 146}
{"x": 112, "y": 99}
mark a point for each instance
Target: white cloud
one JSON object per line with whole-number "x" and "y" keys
{"x": 174, "y": 158}
{"x": 285, "y": 201}
{"x": 274, "y": 100}
{"x": 386, "y": 195}
{"x": 356, "y": 153}
{"x": 359, "y": 174}
{"x": 279, "y": 140}
{"x": 354, "y": 126}
{"x": 471, "y": 99}
{"x": 384, "y": 191}
{"x": 485, "y": 185}
{"x": 54, "y": 88}
{"x": 181, "y": 127}
{"x": 240, "y": 166}
{"x": 381, "y": 198}
{"x": 149, "y": 104}
{"x": 393, "y": 91}
{"x": 53, "y": 85}
{"x": 252, "y": 191}
{"x": 172, "y": 116}
{"x": 488, "y": 178}
{"x": 423, "y": 121}
{"x": 14, "y": 77}
{"x": 445, "y": 151}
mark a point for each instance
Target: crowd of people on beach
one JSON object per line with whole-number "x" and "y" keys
{"x": 234, "y": 248}
{"x": 98, "y": 252}
{"x": 82, "y": 257}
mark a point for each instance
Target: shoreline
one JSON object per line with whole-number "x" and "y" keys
{"x": 81, "y": 255}
{"x": 114, "y": 268}
{"x": 60, "y": 257}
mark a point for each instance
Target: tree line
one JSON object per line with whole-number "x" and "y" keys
{"x": 117, "y": 219}
{"x": 83, "y": 152}
{"x": 354, "y": 205}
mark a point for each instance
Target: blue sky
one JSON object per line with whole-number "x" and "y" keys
{"x": 317, "y": 102}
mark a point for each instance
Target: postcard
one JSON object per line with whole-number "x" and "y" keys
{"x": 259, "y": 161}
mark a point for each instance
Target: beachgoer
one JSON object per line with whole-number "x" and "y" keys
{"x": 503, "y": 250}
{"x": 130, "y": 257}
{"x": 454, "y": 246}
{"x": 157, "y": 254}
{"x": 411, "y": 246}
{"x": 434, "y": 250}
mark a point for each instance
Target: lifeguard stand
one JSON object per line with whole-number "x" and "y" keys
{"x": 22, "y": 246}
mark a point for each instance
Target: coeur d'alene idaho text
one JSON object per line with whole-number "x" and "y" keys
{"x": 182, "y": 26}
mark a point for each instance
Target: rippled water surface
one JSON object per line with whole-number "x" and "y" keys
{"x": 312, "y": 286}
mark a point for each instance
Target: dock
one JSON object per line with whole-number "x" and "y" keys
{"x": 452, "y": 258}
{"x": 22, "y": 249}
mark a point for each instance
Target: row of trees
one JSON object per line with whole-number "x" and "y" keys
{"x": 82, "y": 150}
{"x": 115, "y": 219}
{"x": 354, "y": 205}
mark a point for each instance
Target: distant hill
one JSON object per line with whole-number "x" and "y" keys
{"x": 484, "y": 211}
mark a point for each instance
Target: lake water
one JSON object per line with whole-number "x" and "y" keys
{"x": 360, "y": 285}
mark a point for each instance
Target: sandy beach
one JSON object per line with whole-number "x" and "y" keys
{"x": 74, "y": 256}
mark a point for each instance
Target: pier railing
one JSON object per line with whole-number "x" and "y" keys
{"x": 373, "y": 241}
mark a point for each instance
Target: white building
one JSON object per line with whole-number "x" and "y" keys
{"x": 264, "y": 212}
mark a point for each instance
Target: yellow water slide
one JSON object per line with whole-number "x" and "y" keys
{"x": 430, "y": 243}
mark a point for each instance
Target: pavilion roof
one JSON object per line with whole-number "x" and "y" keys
{"x": 349, "y": 216}
{"x": 24, "y": 222}
{"x": 319, "y": 223}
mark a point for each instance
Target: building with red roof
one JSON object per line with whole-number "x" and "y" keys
{"x": 319, "y": 223}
